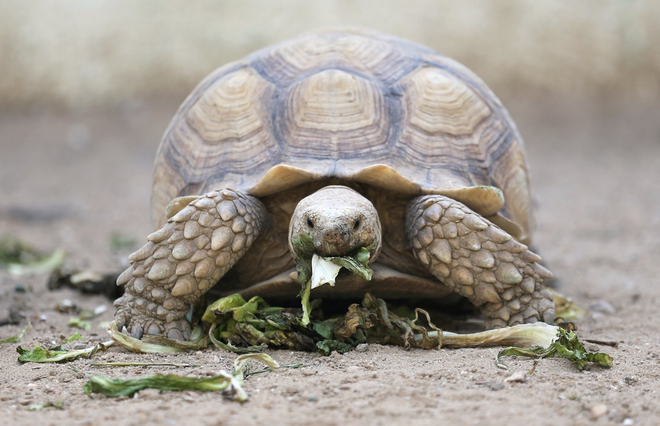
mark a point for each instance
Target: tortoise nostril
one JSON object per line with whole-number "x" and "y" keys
{"x": 310, "y": 223}
{"x": 356, "y": 225}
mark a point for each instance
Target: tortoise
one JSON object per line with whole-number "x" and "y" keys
{"x": 358, "y": 139}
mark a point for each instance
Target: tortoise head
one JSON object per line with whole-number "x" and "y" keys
{"x": 340, "y": 221}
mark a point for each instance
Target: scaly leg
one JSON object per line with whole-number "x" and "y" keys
{"x": 184, "y": 259}
{"x": 480, "y": 261}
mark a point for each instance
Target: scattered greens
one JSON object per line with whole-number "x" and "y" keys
{"x": 153, "y": 344}
{"x": 17, "y": 338}
{"x": 19, "y": 258}
{"x": 79, "y": 323}
{"x": 74, "y": 336}
{"x": 36, "y": 407}
{"x": 244, "y": 327}
{"x": 223, "y": 381}
{"x": 59, "y": 354}
{"x": 566, "y": 346}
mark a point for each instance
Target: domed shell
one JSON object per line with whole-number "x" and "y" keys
{"x": 350, "y": 104}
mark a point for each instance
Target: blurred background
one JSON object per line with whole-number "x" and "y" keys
{"x": 102, "y": 52}
{"x": 87, "y": 88}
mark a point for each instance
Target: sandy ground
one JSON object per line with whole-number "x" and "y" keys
{"x": 71, "y": 180}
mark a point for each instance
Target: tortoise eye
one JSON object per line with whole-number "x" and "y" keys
{"x": 356, "y": 225}
{"x": 310, "y": 223}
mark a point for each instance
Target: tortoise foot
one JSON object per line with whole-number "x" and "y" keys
{"x": 139, "y": 321}
{"x": 480, "y": 261}
{"x": 184, "y": 259}
{"x": 521, "y": 310}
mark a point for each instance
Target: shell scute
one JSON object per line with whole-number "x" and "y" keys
{"x": 354, "y": 105}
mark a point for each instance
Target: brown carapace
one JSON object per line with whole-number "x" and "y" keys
{"x": 415, "y": 133}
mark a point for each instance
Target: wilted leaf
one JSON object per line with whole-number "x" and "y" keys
{"x": 566, "y": 346}
{"x": 153, "y": 344}
{"x": 120, "y": 387}
{"x": 358, "y": 264}
{"x": 59, "y": 354}
{"x": 222, "y": 306}
{"x": 74, "y": 336}
{"x": 19, "y": 258}
{"x": 565, "y": 307}
{"x": 537, "y": 334}
{"x": 222, "y": 381}
{"x": 325, "y": 347}
{"x": 36, "y": 407}
{"x": 18, "y": 337}
{"x": 79, "y": 323}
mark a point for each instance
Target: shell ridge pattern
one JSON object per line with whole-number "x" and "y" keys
{"x": 476, "y": 85}
{"x": 332, "y": 104}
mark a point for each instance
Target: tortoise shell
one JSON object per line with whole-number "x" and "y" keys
{"x": 354, "y": 105}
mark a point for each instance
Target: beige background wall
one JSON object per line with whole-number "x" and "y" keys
{"x": 103, "y": 52}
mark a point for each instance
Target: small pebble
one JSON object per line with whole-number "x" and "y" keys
{"x": 307, "y": 372}
{"x": 353, "y": 368}
{"x": 628, "y": 422}
{"x": 599, "y": 410}
{"x": 517, "y": 377}
{"x": 602, "y": 307}
{"x": 362, "y": 347}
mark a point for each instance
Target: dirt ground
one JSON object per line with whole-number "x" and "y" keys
{"x": 72, "y": 180}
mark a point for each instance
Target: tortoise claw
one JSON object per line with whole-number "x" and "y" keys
{"x": 175, "y": 334}
{"x": 136, "y": 331}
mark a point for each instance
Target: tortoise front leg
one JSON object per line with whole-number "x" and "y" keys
{"x": 184, "y": 259}
{"x": 480, "y": 261}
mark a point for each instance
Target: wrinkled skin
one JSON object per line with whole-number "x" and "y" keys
{"x": 340, "y": 221}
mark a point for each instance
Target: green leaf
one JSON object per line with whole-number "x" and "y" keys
{"x": 566, "y": 346}
{"x": 307, "y": 308}
{"x": 358, "y": 265}
{"x": 223, "y": 381}
{"x": 79, "y": 323}
{"x": 324, "y": 328}
{"x": 19, "y": 258}
{"x": 304, "y": 248}
{"x": 325, "y": 347}
{"x": 36, "y": 407}
{"x": 58, "y": 354}
{"x": 74, "y": 336}
{"x": 120, "y": 387}
{"x": 566, "y": 308}
{"x": 221, "y": 306}
{"x": 231, "y": 348}
{"x": 17, "y": 338}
